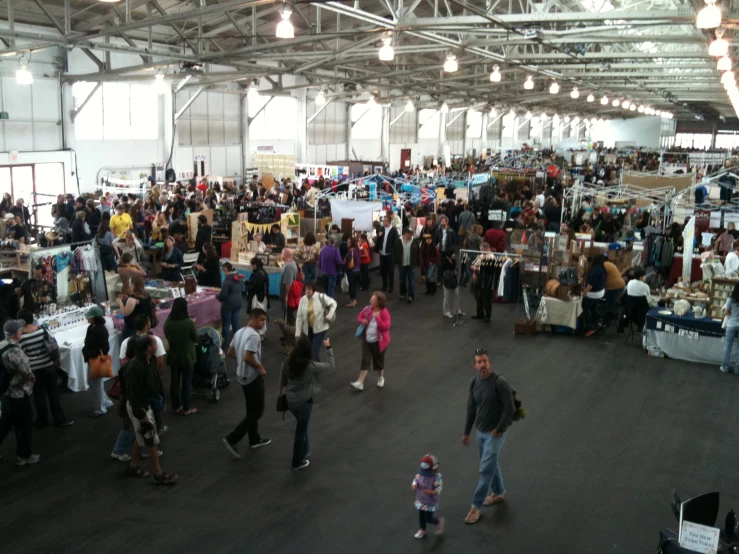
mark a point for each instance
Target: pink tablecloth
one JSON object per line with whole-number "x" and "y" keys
{"x": 205, "y": 310}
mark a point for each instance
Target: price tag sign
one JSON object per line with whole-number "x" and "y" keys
{"x": 699, "y": 538}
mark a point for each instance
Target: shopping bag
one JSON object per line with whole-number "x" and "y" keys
{"x": 100, "y": 367}
{"x": 360, "y": 331}
{"x": 345, "y": 283}
{"x": 115, "y": 391}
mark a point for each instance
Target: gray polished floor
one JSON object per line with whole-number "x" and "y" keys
{"x": 609, "y": 433}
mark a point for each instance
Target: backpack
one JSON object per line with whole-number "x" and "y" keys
{"x": 5, "y": 376}
{"x": 294, "y": 294}
{"x": 449, "y": 279}
{"x": 519, "y": 412}
{"x": 326, "y": 309}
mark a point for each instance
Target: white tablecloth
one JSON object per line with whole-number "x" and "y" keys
{"x": 553, "y": 311}
{"x": 71, "y": 354}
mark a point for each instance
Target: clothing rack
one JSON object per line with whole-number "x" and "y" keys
{"x": 463, "y": 253}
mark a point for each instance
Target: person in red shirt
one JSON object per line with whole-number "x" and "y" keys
{"x": 203, "y": 186}
{"x": 495, "y": 237}
{"x": 365, "y": 257}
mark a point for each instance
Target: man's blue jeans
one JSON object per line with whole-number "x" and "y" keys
{"x": 329, "y": 284}
{"x": 408, "y": 281}
{"x": 310, "y": 273}
{"x": 491, "y": 479}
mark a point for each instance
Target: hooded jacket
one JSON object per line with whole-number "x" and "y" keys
{"x": 230, "y": 295}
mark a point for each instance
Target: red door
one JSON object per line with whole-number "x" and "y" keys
{"x": 405, "y": 158}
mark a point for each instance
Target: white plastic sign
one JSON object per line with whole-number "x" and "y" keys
{"x": 699, "y": 538}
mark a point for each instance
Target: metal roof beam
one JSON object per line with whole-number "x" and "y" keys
{"x": 685, "y": 15}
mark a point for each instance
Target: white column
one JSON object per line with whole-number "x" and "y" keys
{"x": 301, "y": 141}
{"x": 245, "y": 147}
{"x": 385, "y": 135}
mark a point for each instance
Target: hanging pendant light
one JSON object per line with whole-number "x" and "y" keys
{"x": 495, "y": 76}
{"x": 718, "y": 47}
{"x": 615, "y": 103}
{"x": 444, "y": 108}
{"x": 727, "y": 77}
{"x": 632, "y": 108}
{"x": 625, "y": 104}
{"x": 253, "y": 93}
{"x": 321, "y": 98}
{"x": 386, "y": 52}
{"x": 528, "y": 116}
{"x": 554, "y": 88}
{"x": 591, "y": 98}
{"x": 604, "y": 101}
{"x": 724, "y": 64}
{"x": 709, "y": 17}
{"x": 409, "y": 107}
{"x": 641, "y": 109}
{"x": 529, "y": 83}
{"x": 372, "y": 102}
{"x": 567, "y": 119}
{"x": 450, "y": 64}
{"x": 285, "y": 28}
{"x": 575, "y": 93}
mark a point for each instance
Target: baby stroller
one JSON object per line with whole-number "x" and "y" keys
{"x": 210, "y": 363}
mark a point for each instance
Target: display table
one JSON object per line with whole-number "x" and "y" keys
{"x": 71, "y": 342}
{"x": 685, "y": 338}
{"x": 676, "y": 272}
{"x": 553, "y": 311}
{"x": 203, "y": 306}
{"x": 273, "y": 274}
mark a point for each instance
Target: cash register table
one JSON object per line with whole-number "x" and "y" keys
{"x": 71, "y": 342}
{"x": 686, "y": 338}
{"x": 203, "y": 307}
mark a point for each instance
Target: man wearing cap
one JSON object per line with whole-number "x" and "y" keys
{"x": 490, "y": 407}
{"x": 16, "y": 387}
{"x": 18, "y": 230}
{"x": 120, "y": 222}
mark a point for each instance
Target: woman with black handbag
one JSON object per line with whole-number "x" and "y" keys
{"x": 299, "y": 378}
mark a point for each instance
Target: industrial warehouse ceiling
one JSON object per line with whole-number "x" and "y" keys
{"x": 647, "y": 52}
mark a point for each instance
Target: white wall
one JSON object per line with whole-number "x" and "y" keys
{"x": 642, "y": 131}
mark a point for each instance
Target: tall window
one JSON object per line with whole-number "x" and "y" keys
{"x": 366, "y": 121}
{"x": 276, "y": 120}
{"x": 117, "y": 111}
{"x": 428, "y": 121}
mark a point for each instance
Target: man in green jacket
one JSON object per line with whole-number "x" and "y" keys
{"x": 142, "y": 385}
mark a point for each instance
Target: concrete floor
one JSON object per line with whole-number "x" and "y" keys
{"x": 609, "y": 433}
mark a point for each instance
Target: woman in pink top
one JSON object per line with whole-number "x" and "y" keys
{"x": 375, "y": 338}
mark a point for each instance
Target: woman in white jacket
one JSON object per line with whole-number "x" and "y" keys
{"x": 315, "y": 312}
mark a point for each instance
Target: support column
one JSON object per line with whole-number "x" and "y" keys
{"x": 385, "y": 135}
{"x": 245, "y": 147}
{"x": 301, "y": 142}
{"x": 442, "y": 133}
{"x": 464, "y": 133}
{"x": 348, "y": 131}
{"x": 484, "y": 134}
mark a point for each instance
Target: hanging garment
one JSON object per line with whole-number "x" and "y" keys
{"x": 501, "y": 281}
{"x": 62, "y": 260}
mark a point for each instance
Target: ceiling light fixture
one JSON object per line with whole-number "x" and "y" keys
{"x": 253, "y": 93}
{"x": 321, "y": 98}
{"x": 554, "y": 88}
{"x": 724, "y": 64}
{"x": 159, "y": 84}
{"x": 386, "y": 52}
{"x": 567, "y": 119}
{"x": 709, "y": 17}
{"x": 529, "y": 115}
{"x": 495, "y": 76}
{"x": 285, "y": 28}
{"x": 625, "y": 104}
{"x": 450, "y": 64}
{"x": 632, "y": 108}
{"x": 529, "y": 83}
{"x": 604, "y": 101}
{"x": 718, "y": 47}
{"x": 372, "y": 102}
{"x": 444, "y": 108}
{"x": 575, "y": 93}
{"x": 641, "y": 109}
{"x": 409, "y": 107}
{"x": 615, "y": 103}
{"x": 23, "y": 76}
{"x": 591, "y": 98}
{"x": 728, "y": 76}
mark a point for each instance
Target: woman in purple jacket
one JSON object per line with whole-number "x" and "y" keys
{"x": 352, "y": 267}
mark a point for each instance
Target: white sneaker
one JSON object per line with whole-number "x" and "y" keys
{"x": 449, "y": 315}
{"x": 32, "y": 459}
{"x": 381, "y": 382}
{"x": 121, "y": 457}
{"x": 420, "y": 534}
{"x": 461, "y": 313}
{"x": 357, "y": 385}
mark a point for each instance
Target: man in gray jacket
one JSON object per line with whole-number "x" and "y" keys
{"x": 230, "y": 299}
{"x": 490, "y": 408}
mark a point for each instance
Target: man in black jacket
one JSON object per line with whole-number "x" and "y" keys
{"x": 385, "y": 246}
{"x": 204, "y": 235}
